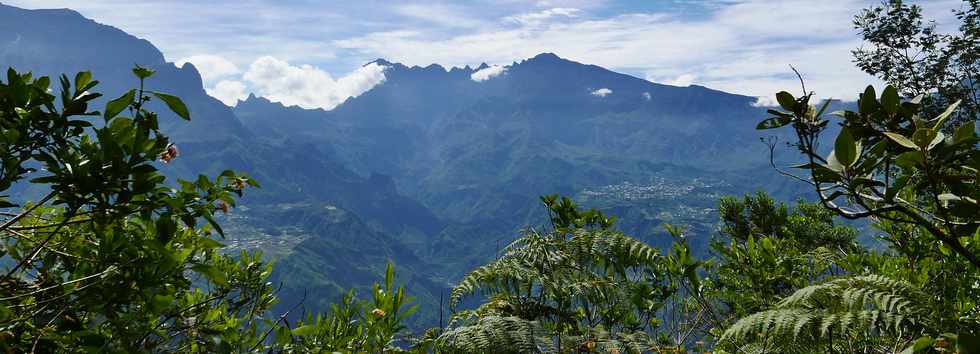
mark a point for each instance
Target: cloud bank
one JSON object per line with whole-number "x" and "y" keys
{"x": 303, "y": 85}
{"x": 742, "y": 46}
{"x": 308, "y": 86}
{"x": 488, "y": 73}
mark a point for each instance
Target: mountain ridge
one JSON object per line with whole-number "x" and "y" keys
{"x": 434, "y": 167}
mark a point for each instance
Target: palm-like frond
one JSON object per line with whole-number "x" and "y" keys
{"x": 570, "y": 279}
{"x": 847, "y": 310}
{"x": 493, "y": 334}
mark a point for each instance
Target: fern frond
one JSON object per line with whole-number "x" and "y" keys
{"x": 493, "y": 334}
{"x": 860, "y": 308}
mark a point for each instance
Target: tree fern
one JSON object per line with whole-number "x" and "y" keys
{"x": 493, "y": 334}
{"x": 572, "y": 280}
{"x": 872, "y": 311}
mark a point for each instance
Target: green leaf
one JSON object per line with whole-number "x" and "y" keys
{"x": 833, "y": 163}
{"x": 909, "y": 160}
{"x": 901, "y": 140}
{"x": 4, "y": 312}
{"x": 889, "y": 99}
{"x": 900, "y": 183}
{"x": 920, "y": 345}
{"x": 917, "y": 99}
{"x": 43, "y": 83}
{"x": 142, "y": 73}
{"x": 212, "y": 273}
{"x": 868, "y": 102}
{"x": 786, "y": 100}
{"x": 827, "y": 174}
{"x": 845, "y": 148}
{"x": 114, "y": 107}
{"x": 966, "y": 131}
{"x": 304, "y": 330}
{"x": 923, "y": 137}
{"x": 774, "y": 122}
{"x": 175, "y": 104}
{"x": 940, "y": 137}
{"x": 941, "y": 119}
{"x": 82, "y": 79}
{"x": 161, "y": 302}
{"x": 210, "y": 243}
{"x": 214, "y": 224}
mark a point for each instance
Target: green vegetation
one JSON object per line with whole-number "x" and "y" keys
{"x": 113, "y": 258}
{"x": 580, "y": 284}
{"x": 110, "y": 259}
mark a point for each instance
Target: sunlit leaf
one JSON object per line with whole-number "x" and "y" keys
{"x": 901, "y": 140}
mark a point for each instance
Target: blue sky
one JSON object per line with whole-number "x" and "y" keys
{"x": 311, "y": 53}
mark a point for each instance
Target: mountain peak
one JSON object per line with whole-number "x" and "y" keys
{"x": 379, "y": 61}
{"x": 61, "y": 11}
{"x": 547, "y": 56}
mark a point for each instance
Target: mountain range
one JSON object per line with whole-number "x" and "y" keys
{"x": 434, "y": 169}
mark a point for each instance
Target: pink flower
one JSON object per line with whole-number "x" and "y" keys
{"x": 170, "y": 154}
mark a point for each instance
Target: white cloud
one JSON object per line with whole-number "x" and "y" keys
{"x": 229, "y": 92}
{"x": 764, "y": 101}
{"x": 647, "y": 96}
{"x": 308, "y": 86}
{"x": 536, "y": 18}
{"x": 445, "y": 15}
{"x": 488, "y": 73}
{"x": 741, "y": 47}
{"x": 682, "y": 80}
{"x": 212, "y": 67}
{"x": 603, "y": 92}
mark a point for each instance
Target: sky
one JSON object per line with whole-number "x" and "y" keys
{"x": 312, "y": 53}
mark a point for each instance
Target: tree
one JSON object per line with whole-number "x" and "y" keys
{"x": 892, "y": 164}
{"x": 353, "y": 327}
{"x": 765, "y": 252}
{"x": 579, "y": 286}
{"x": 111, "y": 258}
{"x": 859, "y": 314}
{"x": 911, "y": 54}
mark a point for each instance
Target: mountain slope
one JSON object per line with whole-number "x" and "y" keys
{"x": 474, "y": 151}
{"x": 51, "y": 42}
{"x": 431, "y": 169}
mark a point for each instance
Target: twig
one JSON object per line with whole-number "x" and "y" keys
{"x": 28, "y": 211}
{"x": 282, "y": 318}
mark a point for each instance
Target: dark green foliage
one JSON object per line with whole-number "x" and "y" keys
{"x": 352, "y": 326}
{"x": 579, "y": 284}
{"x": 767, "y": 251}
{"x": 865, "y": 313}
{"x": 111, "y": 259}
{"x": 909, "y": 52}
{"x": 492, "y": 334}
{"x": 910, "y": 164}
